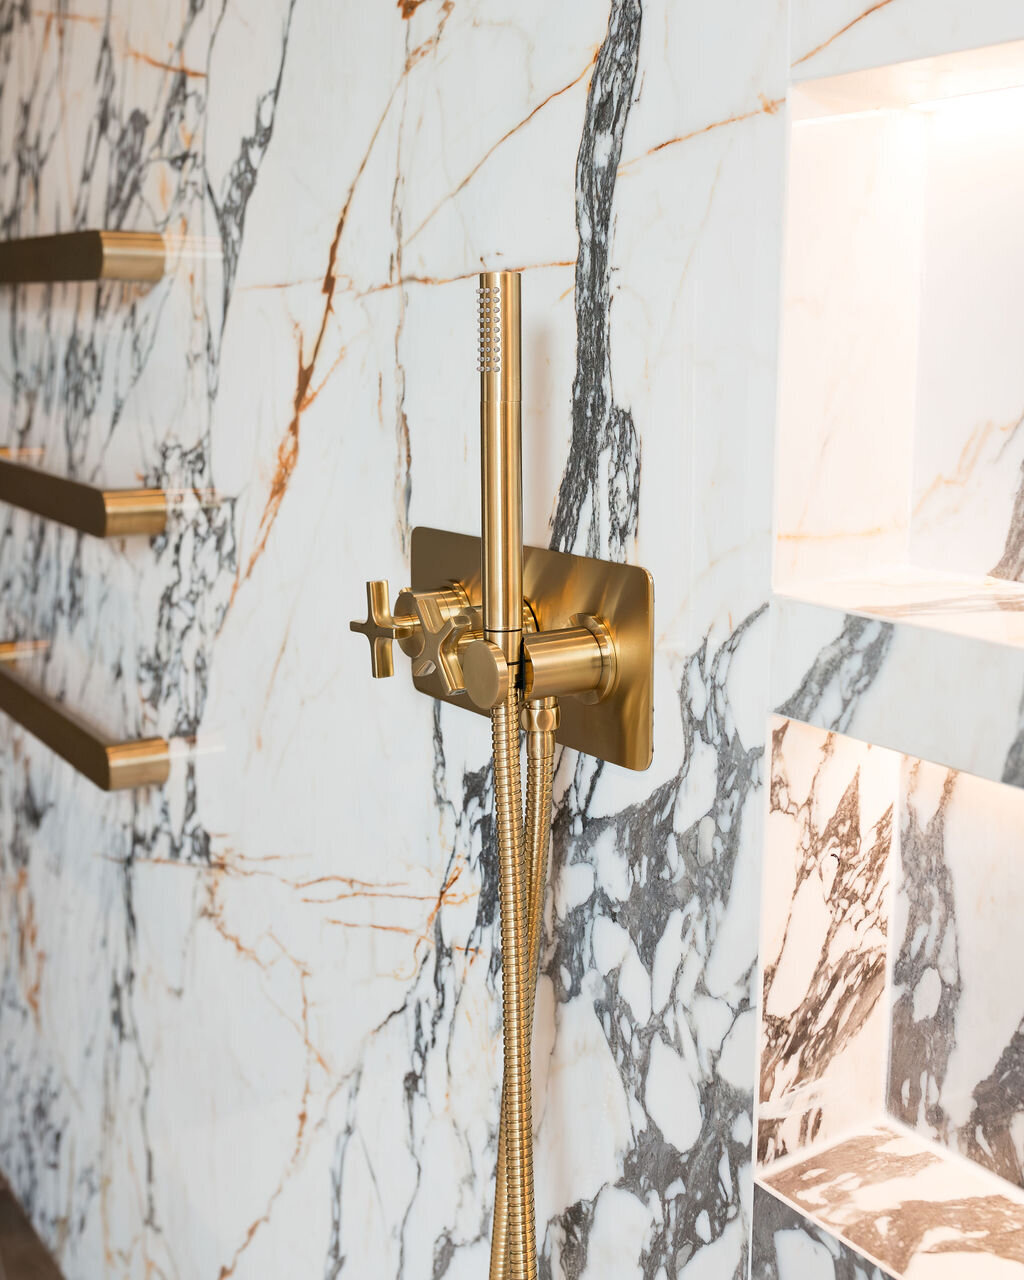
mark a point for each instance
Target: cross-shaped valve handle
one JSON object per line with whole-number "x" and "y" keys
{"x": 441, "y": 633}
{"x": 380, "y": 628}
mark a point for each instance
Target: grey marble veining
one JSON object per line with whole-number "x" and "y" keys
{"x": 591, "y": 518}
{"x": 956, "y": 1070}
{"x": 839, "y": 674}
{"x": 275, "y": 1055}
{"x": 789, "y": 1246}
{"x": 933, "y": 1212}
{"x": 829, "y": 840}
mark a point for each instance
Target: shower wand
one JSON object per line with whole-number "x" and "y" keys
{"x": 558, "y": 645}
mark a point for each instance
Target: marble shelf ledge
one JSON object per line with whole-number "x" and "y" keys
{"x": 906, "y": 1209}
{"x": 978, "y": 608}
{"x": 931, "y": 666}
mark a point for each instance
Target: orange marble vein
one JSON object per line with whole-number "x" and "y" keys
{"x": 288, "y": 449}
{"x": 401, "y": 281}
{"x": 178, "y": 67}
{"x": 557, "y": 93}
{"x": 229, "y": 1268}
{"x": 876, "y": 531}
{"x": 768, "y": 107}
{"x": 421, "y": 50}
{"x": 968, "y": 460}
{"x": 30, "y": 955}
{"x": 880, "y": 4}
{"x": 313, "y": 1055}
{"x": 51, "y": 16}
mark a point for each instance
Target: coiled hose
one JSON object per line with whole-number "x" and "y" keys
{"x": 513, "y": 1238}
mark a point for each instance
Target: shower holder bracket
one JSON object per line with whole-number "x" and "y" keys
{"x": 559, "y": 588}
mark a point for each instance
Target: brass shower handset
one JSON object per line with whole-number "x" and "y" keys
{"x": 560, "y": 646}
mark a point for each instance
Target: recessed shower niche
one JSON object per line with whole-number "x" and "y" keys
{"x": 901, "y": 426}
{"x": 891, "y": 1099}
{"x": 890, "y": 1116}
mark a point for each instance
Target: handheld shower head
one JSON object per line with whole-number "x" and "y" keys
{"x": 501, "y": 464}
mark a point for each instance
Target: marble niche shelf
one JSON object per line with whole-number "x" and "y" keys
{"x": 900, "y": 464}
{"x": 891, "y": 1097}
{"x": 890, "y": 1119}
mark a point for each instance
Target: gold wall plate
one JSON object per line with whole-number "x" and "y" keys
{"x": 620, "y": 728}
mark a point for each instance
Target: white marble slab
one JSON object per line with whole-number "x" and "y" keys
{"x": 250, "y": 1025}
{"x": 918, "y": 689}
{"x": 907, "y": 1208}
{"x": 824, "y": 944}
{"x": 956, "y": 1063}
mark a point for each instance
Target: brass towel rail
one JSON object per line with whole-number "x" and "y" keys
{"x": 105, "y": 513}
{"x": 84, "y": 255}
{"x": 112, "y": 766}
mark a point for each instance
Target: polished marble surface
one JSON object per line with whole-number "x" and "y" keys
{"x": 956, "y": 1064}
{"x": 906, "y": 1208}
{"x": 788, "y": 1245}
{"x": 825, "y": 937}
{"x": 238, "y": 1038}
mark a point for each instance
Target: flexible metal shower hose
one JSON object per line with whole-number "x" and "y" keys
{"x": 513, "y": 1240}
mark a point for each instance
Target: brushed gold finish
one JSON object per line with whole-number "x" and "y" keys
{"x": 540, "y": 719}
{"x": 485, "y": 672}
{"x": 33, "y": 454}
{"x": 561, "y": 588}
{"x": 602, "y": 634}
{"x": 550, "y": 625}
{"x": 133, "y": 255}
{"x": 441, "y": 618}
{"x": 104, "y": 513}
{"x": 381, "y": 628}
{"x": 134, "y": 511}
{"x": 519, "y": 1244}
{"x": 501, "y": 568}
{"x": 84, "y": 255}
{"x": 540, "y": 715}
{"x": 501, "y": 481}
{"x": 439, "y": 656}
{"x": 575, "y": 661}
{"x": 111, "y": 766}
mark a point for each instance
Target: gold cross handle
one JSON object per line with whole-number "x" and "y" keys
{"x": 380, "y": 628}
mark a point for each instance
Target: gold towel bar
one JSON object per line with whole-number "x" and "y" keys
{"x": 112, "y": 766}
{"x": 84, "y": 255}
{"x": 105, "y": 513}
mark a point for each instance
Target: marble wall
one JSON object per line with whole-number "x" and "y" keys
{"x": 787, "y": 1245}
{"x": 825, "y": 937}
{"x": 956, "y": 1066}
{"x": 890, "y": 906}
{"x": 899, "y": 326}
{"x": 901, "y": 1207}
{"x": 248, "y": 1022}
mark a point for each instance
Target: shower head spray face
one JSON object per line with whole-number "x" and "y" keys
{"x": 498, "y": 355}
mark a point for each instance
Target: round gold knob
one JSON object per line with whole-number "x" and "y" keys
{"x": 485, "y": 673}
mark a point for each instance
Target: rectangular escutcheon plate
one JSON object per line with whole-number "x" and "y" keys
{"x": 620, "y": 728}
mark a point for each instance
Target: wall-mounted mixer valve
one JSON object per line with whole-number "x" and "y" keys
{"x": 559, "y": 644}
{"x": 442, "y": 633}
